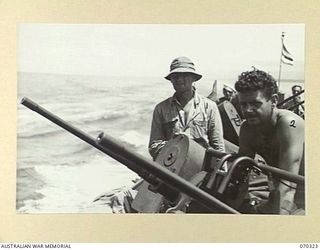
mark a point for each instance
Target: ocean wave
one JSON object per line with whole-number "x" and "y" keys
{"x": 28, "y": 182}
{"x": 31, "y": 198}
{"x": 30, "y": 172}
{"x": 134, "y": 138}
{"x": 75, "y": 155}
{"x": 32, "y": 131}
{"x": 43, "y": 134}
{"x": 88, "y": 88}
{"x": 114, "y": 116}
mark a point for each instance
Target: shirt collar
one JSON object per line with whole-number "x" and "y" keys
{"x": 196, "y": 99}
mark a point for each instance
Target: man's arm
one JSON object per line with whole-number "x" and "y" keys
{"x": 245, "y": 137}
{"x": 290, "y": 133}
{"x": 215, "y": 130}
{"x": 157, "y": 135}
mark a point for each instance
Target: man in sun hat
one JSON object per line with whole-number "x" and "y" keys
{"x": 185, "y": 112}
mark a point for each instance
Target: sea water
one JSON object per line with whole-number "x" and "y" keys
{"x": 59, "y": 173}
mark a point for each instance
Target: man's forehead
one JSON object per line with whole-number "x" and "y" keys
{"x": 251, "y": 95}
{"x": 177, "y": 74}
{"x": 182, "y": 74}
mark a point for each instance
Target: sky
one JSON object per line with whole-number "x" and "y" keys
{"x": 218, "y": 51}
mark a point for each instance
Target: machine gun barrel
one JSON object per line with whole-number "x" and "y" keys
{"x": 137, "y": 163}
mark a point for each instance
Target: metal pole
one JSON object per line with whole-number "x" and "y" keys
{"x": 279, "y": 79}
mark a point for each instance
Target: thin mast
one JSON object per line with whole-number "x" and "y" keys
{"x": 282, "y": 36}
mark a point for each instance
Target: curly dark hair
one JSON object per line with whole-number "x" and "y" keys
{"x": 256, "y": 80}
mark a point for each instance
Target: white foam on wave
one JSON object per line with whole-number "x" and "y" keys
{"x": 73, "y": 189}
{"x": 134, "y": 138}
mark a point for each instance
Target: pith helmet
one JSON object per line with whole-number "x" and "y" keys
{"x": 183, "y": 65}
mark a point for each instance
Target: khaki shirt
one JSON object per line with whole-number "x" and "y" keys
{"x": 199, "y": 119}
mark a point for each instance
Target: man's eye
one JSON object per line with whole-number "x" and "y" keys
{"x": 256, "y": 104}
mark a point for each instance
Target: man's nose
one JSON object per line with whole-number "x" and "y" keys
{"x": 179, "y": 80}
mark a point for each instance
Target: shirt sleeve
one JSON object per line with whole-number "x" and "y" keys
{"x": 157, "y": 135}
{"x": 215, "y": 132}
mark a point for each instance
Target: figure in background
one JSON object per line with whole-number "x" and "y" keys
{"x": 228, "y": 94}
{"x": 298, "y": 109}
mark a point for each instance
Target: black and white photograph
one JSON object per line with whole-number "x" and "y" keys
{"x": 161, "y": 118}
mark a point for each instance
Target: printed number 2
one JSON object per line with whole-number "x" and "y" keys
{"x": 293, "y": 123}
